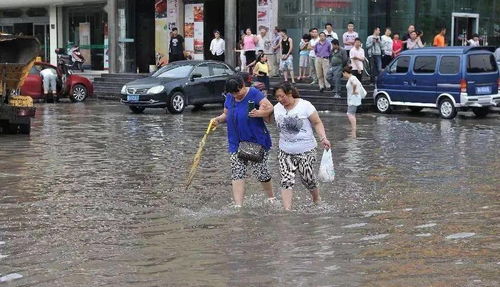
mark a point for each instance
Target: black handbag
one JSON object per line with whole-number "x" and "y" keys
{"x": 251, "y": 151}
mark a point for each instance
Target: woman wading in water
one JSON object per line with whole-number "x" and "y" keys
{"x": 296, "y": 119}
{"x": 245, "y": 126}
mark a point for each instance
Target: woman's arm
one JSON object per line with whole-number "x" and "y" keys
{"x": 320, "y": 129}
{"x": 221, "y": 118}
{"x": 265, "y": 109}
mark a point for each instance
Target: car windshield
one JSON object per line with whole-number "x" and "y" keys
{"x": 174, "y": 71}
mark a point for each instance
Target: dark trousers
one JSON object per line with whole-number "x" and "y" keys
{"x": 175, "y": 57}
{"x": 386, "y": 59}
{"x": 219, "y": 58}
{"x": 250, "y": 56}
{"x": 264, "y": 80}
{"x": 357, "y": 74}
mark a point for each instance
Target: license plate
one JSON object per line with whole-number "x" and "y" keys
{"x": 132, "y": 98}
{"x": 484, "y": 100}
{"x": 483, "y": 90}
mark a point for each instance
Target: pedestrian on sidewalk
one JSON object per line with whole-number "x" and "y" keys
{"x": 286, "y": 63}
{"x": 322, "y": 49}
{"x": 374, "y": 48}
{"x": 338, "y": 61}
{"x": 414, "y": 42}
{"x": 397, "y": 45}
{"x": 276, "y": 56}
{"x": 176, "y": 49}
{"x": 406, "y": 36}
{"x": 387, "y": 43}
{"x": 245, "y": 126}
{"x": 357, "y": 56}
{"x": 264, "y": 43}
{"x": 303, "y": 56}
{"x": 249, "y": 46}
{"x": 439, "y": 40}
{"x": 355, "y": 92}
{"x": 349, "y": 37}
{"x": 296, "y": 119}
{"x": 312, "y": 56}
{"x": 261, "y": 71}
{"x": 217, "y": 47}
{"x": 330, "y": 34}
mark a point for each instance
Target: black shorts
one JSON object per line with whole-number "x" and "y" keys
{"x": 175, "y": 57}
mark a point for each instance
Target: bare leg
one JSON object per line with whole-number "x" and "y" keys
{"x": 268, "y": 189}
{"x": 238, "y": 191}
{"x": 352, "y": 120}
{"x": 315, "y": 195}
{"x": 292, "y": 76}
{"x": 285, "y": 74}
{"x": 286, "y": 196}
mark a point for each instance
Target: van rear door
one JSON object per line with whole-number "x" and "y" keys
{"x": 482, "y": 74}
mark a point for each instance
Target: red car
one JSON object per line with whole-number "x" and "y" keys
{"x": 76, "y": 87}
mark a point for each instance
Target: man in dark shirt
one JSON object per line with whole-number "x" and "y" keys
{"x": 405, "y": 38}
{"x": 176, "y": 52}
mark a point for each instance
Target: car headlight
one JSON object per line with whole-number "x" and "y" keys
{"x": 156, "y": 90}
{"x": 124, "y": 89}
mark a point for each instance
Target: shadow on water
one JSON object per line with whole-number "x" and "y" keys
{"x": 95, "y": 197}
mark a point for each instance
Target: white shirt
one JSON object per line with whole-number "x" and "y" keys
{"x": 296, "y": 131}
{"x": 217, "y": 46}
{"x": 332, "y": 34}
{"x": 473, "y": 43}
{"x": 313, "y": 42}
{"x": 354, "y": 99}
{"x": 386, "y": 45}
{"x": 264, "y": 44}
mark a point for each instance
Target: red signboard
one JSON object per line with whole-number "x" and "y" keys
{"x": 332, "y": 3}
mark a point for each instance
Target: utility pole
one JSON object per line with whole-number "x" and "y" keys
{"x": 230, "y": 15}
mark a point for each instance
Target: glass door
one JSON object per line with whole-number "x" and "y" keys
{"x": 463, "y": 25}
{"x": 41, "y": 32}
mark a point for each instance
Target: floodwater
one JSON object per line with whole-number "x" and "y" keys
{"x": 94, "y": 198}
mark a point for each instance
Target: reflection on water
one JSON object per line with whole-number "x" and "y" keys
{"x": 95, "y": 197}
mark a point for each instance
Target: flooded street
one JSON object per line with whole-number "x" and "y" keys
{"x": 95, "y": 197}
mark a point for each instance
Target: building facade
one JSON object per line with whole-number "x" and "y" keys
{"x": 130, "y": 35}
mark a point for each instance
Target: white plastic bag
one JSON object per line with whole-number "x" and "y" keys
{"x": 326, "y": 169}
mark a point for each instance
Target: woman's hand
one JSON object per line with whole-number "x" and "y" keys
{"x": 257, "y": 113}
{"x": 215, "y": 122}
{"x": 326, "y": 143}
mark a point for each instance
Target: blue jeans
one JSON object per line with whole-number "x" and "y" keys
{"x": 376, "y": 65}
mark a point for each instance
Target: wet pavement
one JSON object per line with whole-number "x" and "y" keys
{"x": 94, "y": 198}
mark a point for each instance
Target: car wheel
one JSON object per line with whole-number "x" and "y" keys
{"x": 383, "y": 105}
{"x": 78, "y": 93}
{"x": 137, "y": 110}
{"x": 176, "y": 103}
{"x": 415, "y": 109}
{"x": 481, "y": 112}
{"x": 447, "y": 109}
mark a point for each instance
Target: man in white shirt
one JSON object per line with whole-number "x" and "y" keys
{"x": 49, "y": 77}
{"x": 330, "y": 34}
{"x": 312, "y": 55}
{"x": 264, "y": 44}
{"x": 349, "y": 37}
{"x": 217, "y": 47}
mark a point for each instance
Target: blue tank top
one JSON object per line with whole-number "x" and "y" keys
{"x": 241, "y": 127}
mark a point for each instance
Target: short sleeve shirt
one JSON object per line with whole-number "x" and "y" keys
{"x": 176, "y": 45}
{"x": 296, "y": 132}
{"x": 241, "y": 127}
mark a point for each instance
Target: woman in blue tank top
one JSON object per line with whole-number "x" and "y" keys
{"x": 245, "y": 126}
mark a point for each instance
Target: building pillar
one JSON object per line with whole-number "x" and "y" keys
{"x": 112, "y": 10}
{"x": 53, "y": 34}
{"x": 230, "y": 36}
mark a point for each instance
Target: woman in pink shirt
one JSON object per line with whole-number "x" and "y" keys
{"x": 397, "y": 45}
{"x": 249, "y": 41}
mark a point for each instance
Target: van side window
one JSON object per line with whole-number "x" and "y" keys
{"x": 481, "y": 63}
{"x": 400, "y": 66}
{"x": 425, "y": 65}
{"x": 449, "y": 65}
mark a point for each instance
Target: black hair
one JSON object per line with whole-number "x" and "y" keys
{"x": 322, "y": 33}
{"x": 376, "y": 27}
{"x": 357, "y": 39}
{"x": 328, "y": 24}
{"x": 350, "y": 23}
{"x": 312, "y": 29}
{"x": 475, "y": 35}
{"x": 395, "y": 33}
{"x": 388, "y": 28}
{"x": 347, "y": 69}
{"x": 174, "y": 29}
{"x": 259, "y": 57}
{"x": 283, "y": 30}
{"x": 335, "y": 42}
{"x": 260, "y": 52}
{"x": 306, "y": 37}
{"x": 234, "y": 84}
{"x": 287, "y": 88}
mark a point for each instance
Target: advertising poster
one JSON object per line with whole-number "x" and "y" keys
{"x": 193, "y": 30}
{"x": 165, "y": 20}
{"x": 264, "y": 14}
